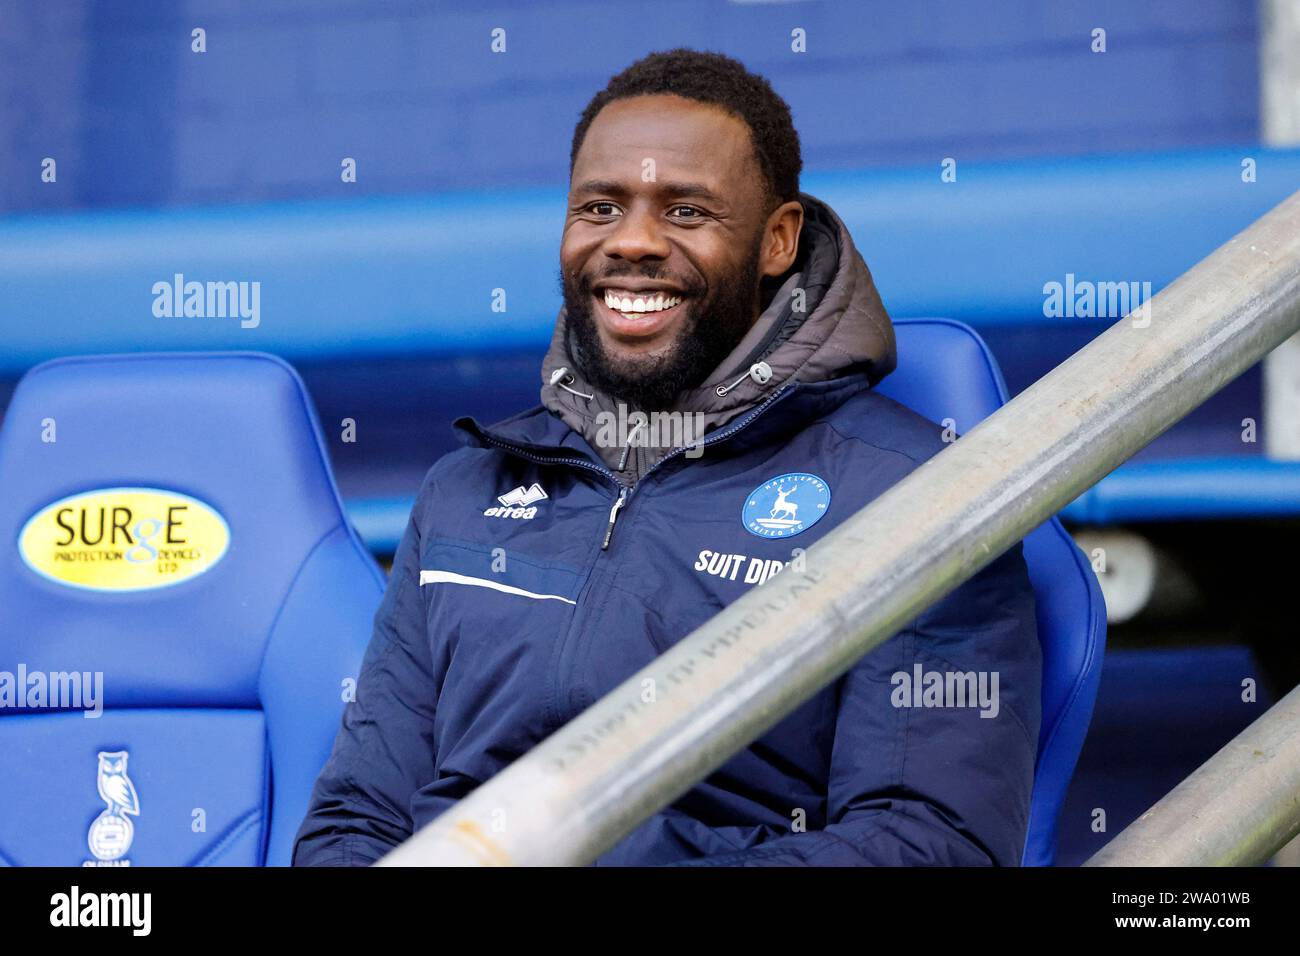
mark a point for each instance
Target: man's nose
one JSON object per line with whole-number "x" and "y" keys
{"x": 639, "y": 235}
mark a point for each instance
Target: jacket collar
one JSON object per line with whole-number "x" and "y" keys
{"x": 539, "y": 435}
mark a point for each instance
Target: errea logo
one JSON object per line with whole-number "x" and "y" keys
{"x": 518, "y": 503}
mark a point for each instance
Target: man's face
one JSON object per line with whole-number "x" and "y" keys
{"x": 666, "y": 237}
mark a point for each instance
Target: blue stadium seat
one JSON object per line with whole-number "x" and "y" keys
{"x": 197, "y": 556}
{"x": 946, "y": 372}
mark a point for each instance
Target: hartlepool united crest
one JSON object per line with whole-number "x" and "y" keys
{"x": 785, "y": 505}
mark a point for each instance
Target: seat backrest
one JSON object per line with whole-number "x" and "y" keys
{"x": 179, "y": 582}
{"x": 945, "y": 371}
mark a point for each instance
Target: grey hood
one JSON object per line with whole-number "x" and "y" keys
{"x": 842, "y": 328}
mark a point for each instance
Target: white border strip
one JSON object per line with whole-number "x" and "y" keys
{"x": 451, "y": 577}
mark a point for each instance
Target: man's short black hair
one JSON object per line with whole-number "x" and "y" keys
{"x": 722, "y": 81}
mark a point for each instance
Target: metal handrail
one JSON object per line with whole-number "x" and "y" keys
{"x": 1238, "y": 809}
{"x": 581, "y": 790}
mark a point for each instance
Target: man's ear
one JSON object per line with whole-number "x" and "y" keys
{"x": 781, "y": 239}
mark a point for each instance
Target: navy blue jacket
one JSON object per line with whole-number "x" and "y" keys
{"x": 502, "y": 621}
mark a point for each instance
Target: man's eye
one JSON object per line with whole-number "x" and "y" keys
{"x": 603, "y": 209}
{"x": 685, "y": 212}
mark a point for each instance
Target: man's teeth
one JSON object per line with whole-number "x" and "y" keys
{"x": 646, "y": 303}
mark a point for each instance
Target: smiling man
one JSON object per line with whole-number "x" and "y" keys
{"x": 555, "y": 554}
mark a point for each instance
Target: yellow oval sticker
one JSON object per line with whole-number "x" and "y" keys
{"x": 123, "y": 539}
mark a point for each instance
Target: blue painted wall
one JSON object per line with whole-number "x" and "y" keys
{"x": 411, "y": 89}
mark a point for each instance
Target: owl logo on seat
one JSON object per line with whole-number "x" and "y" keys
{"x": 112, "y": 832}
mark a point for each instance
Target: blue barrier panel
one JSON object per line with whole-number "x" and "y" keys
{"x": 396, "y": 276}
{"x": 1191, "y": 488}
{"x": 981, "y": 249}
{"x": 374, "y": 277}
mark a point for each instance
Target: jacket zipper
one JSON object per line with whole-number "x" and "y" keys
{"x": 624, "y": 493}
{"x": 613, "y": 514}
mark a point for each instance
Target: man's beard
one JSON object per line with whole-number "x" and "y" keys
{"x": 716, "y": 324}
